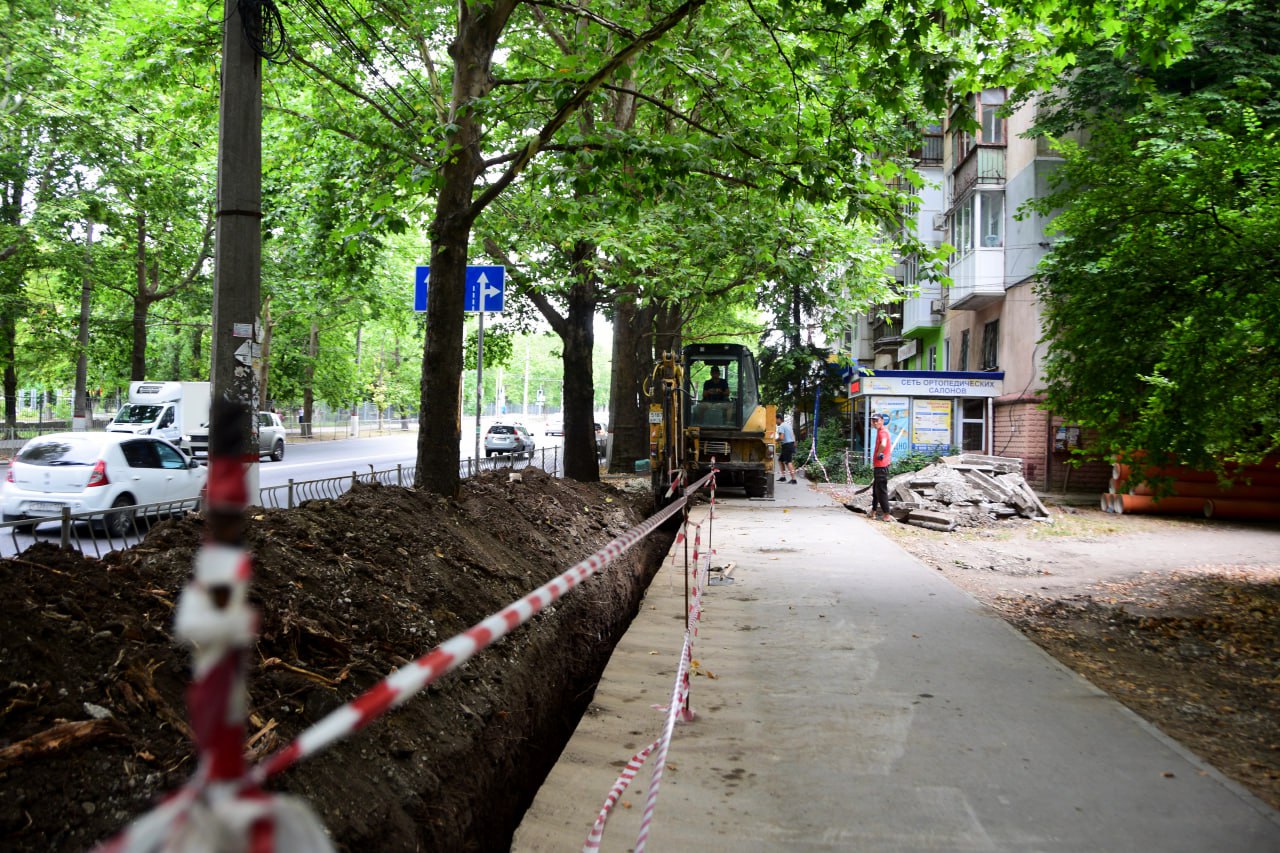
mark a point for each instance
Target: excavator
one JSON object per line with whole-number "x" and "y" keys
{"x": 705, "y": 410}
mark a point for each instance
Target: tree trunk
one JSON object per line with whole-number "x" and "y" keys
{"x": 632, "y": 363}
{"x": 197, "y": 350}
{"x": 581, "y": 461}
{"x": 440, "y": 431}
{"x": 309, "y": 376}
{"x": 138, "y": 353}
{"x": 7, "y": 331}
{"x": 141, "y": 304}
{"x": 667, "y": 328}
{"x": 264, "y": 361}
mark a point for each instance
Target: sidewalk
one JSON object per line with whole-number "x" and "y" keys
{"x": 861, "y": 702}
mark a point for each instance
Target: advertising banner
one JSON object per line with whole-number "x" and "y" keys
{"x": 926, "y": 384}
{"x": 896, "y": 411}
{"x": 930, "y": 426}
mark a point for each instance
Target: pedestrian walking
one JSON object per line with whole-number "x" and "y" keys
{"x": 786, "y": 450}
{"x": 882, "y": 457}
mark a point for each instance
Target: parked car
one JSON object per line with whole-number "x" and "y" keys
{"x": 602, "y": 439}
{"x": 92, "y": 471}
{"x": 554, "y": 428}
{"x": 508, "y": 438}
{"x": 271, "y": 435}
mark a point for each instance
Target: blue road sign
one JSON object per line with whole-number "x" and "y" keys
{"x": 486, "y": 286}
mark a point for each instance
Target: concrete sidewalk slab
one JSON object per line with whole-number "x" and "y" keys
{"x": 849, "y": 698}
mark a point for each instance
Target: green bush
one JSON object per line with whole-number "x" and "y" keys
{"x": 859, "y": 471}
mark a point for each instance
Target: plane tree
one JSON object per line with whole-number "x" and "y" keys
{"x": 421, "y": 85}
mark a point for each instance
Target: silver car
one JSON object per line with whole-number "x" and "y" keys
{"x": 508, "y": 438}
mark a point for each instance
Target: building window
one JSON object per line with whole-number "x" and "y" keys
{"x": 931, "y": 358}
{"x": 991, "y": 219}
{"x": 962, "y": 227}
{"x": 931, "y": 145}
{"x": 992, "y": 122}
{"x": 991, "y": 131}
{"x": 973, "y": 425}
{"x": 964, "y": 351}
{"x": 991, "y": 345}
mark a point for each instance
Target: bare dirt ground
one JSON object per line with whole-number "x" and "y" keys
{"x": 1177, "y": 618}
{"x": 92, "y": 719}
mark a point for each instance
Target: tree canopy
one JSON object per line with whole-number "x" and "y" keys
{"x": 1162, "y": 294}
{"x": 672, "y": 165}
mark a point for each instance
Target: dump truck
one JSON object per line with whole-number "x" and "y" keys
{"x": 705, "y": 411}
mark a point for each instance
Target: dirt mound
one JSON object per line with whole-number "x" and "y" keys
{"x": 94, "y": 725}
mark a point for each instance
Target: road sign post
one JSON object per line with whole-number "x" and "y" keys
{"x": 485, "y": 291}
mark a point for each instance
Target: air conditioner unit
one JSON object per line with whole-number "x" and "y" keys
{"x": 937, "y": 306}
{"x": 939, "y": 222}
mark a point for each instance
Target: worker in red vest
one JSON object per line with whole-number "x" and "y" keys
{"x": 881, "y": 458}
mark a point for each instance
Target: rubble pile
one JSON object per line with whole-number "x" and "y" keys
{"x": 967, "y": 490}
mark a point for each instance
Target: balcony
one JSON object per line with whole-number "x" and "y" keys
{"x": 858, "y": 337}
{"x": 983, "y": 165}
{"x": 919, "y": 312}
{"x": 889, "y": 343}
{"x": 977, "y": 280}
{"x": 930, "y": 151}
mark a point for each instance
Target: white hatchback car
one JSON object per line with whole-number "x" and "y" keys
{"x": 91, "y": 471}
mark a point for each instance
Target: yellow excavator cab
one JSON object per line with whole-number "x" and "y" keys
{"x": 706, "y": 412}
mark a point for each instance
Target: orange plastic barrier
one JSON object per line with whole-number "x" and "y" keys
{"x": 1239, "y": 491}
{"x": 1136, "y": 504}
{"x": 1242, "y": 509}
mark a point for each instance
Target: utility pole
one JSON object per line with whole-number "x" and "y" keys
{"x": 524, "y": 397}
{"x": 80, "y": 414}
{"x": 237, "y": 255}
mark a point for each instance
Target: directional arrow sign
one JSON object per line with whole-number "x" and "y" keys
{"x": 485, "y": 289}
{"x": 248, "y": 352}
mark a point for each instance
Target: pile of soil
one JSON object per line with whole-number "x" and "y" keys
{"x": 1177, "y": 618}
{"x": 94, "y": 728}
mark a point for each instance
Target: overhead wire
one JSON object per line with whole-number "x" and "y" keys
{"x": 390, "y": 51}
{"x": 329, "y": 22}
{"x": 263, "y": 28}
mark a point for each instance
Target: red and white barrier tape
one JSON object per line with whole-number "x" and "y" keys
{"x": 678, "y": 709}
{"x": 223, "y": 806}
{"x": 401, "y": 685}
{"x": 215, "y": 810}
{"x": 660, "y": 759}
{"x": 627, "y": 776}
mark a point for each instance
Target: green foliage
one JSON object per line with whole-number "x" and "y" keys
{"x": 749, "y": 183}
{"x": 837, "y": 467}
{"x": 1162, "y": 295}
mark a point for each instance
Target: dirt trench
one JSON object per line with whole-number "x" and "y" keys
{"x": 94, "y": 727}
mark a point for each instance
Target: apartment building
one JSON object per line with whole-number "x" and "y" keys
{"x": 988, "y": 320}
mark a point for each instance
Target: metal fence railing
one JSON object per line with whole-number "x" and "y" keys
{"x": 93, "y": 533}
{"x": 99, "y": 532}
{"x": 294, "y": 492}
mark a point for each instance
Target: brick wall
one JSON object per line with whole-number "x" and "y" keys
{"x": 1023, "y": 429}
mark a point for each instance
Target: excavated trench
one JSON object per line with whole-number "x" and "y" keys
{"x": 347, "y": 589}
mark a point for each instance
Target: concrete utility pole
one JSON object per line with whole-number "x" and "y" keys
{"x": 237, "y": 254}
{"x": 81, "y": 414}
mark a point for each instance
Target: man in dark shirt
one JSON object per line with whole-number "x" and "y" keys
{"x": 715, "y": 389}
